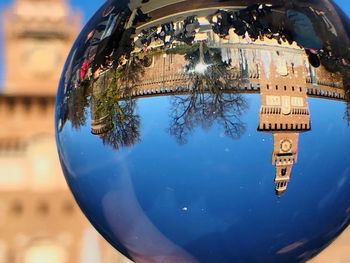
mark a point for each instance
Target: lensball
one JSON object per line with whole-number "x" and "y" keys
{"x": 210, "y": 131}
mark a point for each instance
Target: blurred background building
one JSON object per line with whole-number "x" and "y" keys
{"x": 39, "y": 220}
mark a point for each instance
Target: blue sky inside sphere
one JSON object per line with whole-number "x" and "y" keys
{"x": 88, "y": 8}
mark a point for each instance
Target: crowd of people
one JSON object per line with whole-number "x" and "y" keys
{"x": 168, "y": 33}
{"x": 310, "y": 28}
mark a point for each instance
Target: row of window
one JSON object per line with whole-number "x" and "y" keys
{"x": 18, "y": 208}
{"x": 278, "y": 110}
{"x": 332, "y": 94}
{"x": 284, "y": 161}
{"x": 11, "y": 104}
{"x": 177, "y": 77}
{"x": 181, "y": 77}
{"x": 284, "y": 126}
{"x": 324, "y": 83}
{"x": 160, "y": 90}
{"x": 297, "y": 111}
{"x": 181, "y": 88}
{"x": 11, "y": 145}
{"x": 281, "y": 185}
{"x": 328, "y": 83}
{"x": 285, "y": 88}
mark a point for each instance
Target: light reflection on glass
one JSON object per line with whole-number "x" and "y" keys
{"x": 174, "y": 120}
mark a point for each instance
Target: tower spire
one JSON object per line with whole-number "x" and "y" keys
{"x": 284, "y": 157}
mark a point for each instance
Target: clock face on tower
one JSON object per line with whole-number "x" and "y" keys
{"x": 42, "y": 58}
{"x": 286, "y": 146}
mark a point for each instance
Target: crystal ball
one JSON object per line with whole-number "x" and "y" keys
{"x": 210, "y": 131}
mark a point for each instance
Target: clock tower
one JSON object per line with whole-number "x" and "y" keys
{"x": 284, "y": 155}
{"x": 37, "y": 36}
{"x": 284, "y": 108}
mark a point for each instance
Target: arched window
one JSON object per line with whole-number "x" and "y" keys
{"x": 284, "y": 171}
{"x": 3, "y": 252}
{"x": 45, "y": 251}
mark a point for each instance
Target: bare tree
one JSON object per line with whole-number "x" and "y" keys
{"x": 347, "y": 113}
{"x": 212, "y": 97}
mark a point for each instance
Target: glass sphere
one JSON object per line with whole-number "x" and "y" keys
{"x": 210, "y": 131}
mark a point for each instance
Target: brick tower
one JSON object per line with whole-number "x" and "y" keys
{"x": 284, "y": 109}
{"x": 39, "y": 220}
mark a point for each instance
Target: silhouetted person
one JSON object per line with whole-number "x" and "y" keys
{"x": 313, "y": 58}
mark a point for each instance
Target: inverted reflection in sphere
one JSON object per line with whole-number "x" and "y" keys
{"x": 210, "y": 131}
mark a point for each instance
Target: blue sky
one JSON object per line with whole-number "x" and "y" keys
{"x": 88, "y": 8}
{"x": 214, "y": 196}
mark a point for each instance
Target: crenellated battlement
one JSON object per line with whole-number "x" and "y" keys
{"x": 166, "y": 74}
{"x": 25, "y": 116}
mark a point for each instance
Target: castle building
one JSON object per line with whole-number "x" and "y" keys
{"x": 39, "y": 220}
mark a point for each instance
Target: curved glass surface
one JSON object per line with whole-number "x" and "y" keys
{"x": 210, "y": 131}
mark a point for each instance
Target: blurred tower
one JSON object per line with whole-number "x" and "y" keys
{"x": 39, "y": 220}
{"x": 38, "y": 35}
{"x": 284, "y": 109}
